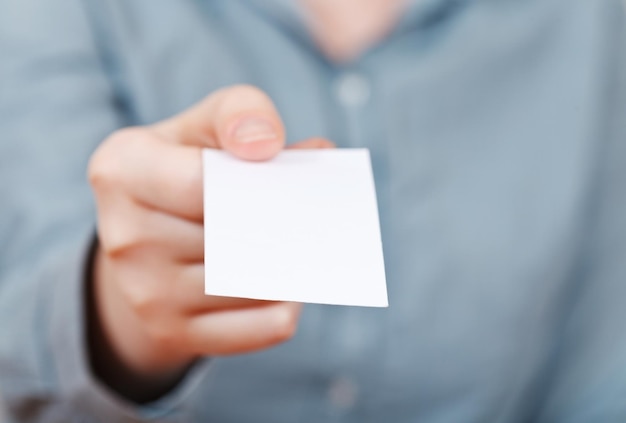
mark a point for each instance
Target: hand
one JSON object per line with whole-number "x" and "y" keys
{"x": 148, "y": 279}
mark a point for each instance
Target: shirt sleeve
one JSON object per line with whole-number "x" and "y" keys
{"x": 589, "y": 383}
{"x": 57, "y": 103}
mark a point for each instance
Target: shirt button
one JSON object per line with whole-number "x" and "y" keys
{"x": 342, "y": 393}
{"x": 352, "y": 90}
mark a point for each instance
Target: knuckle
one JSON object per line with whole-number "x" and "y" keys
{"x": 242, "y": 94}
{"x": 143, "y": 298}
{"x": 164, "y": 336}
{"x": 101, "y": 171}
{"x": 246, "y": 90}
{"x": 119, "y": 236}
{"x": 105, "y": 166}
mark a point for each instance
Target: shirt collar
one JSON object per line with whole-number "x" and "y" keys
{"x": 290, "y": 14}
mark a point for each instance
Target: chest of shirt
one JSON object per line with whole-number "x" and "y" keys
{"x": 481, "y": 147}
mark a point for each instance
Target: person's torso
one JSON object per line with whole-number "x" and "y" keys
{"x": 479, "y": 118}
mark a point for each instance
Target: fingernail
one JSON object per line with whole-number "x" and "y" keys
{"x": 253, "y": 130}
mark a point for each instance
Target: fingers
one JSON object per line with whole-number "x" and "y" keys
{"x": 242, "y": 330}
{"x": 312, "y": 143}
{"x": 153, "y": 232}
{"x": 240, "y": 119}
{"x": 148, "y": 186}
{"x": 155, "y": 173}
{"x": 188, "y": 291}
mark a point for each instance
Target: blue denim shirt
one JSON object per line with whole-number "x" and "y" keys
{"x": 497, "y": 130}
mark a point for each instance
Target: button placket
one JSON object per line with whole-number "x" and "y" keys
{"x": 343, "y": 393}
{"x": 352, "y": 90}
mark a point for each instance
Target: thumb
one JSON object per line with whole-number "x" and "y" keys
{"x": 240, "y": 119}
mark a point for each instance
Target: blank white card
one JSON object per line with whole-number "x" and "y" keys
{"x": 302, "y": 227}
